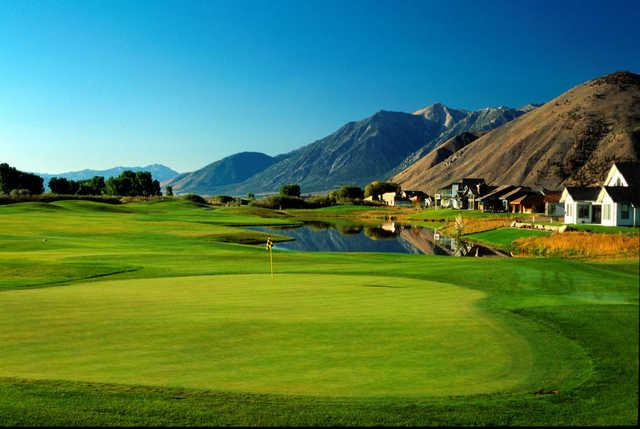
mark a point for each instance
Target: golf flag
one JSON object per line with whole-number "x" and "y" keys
{"x": 269, "y": 246}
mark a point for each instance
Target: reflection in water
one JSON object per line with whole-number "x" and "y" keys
{"x": 389, "y": 237}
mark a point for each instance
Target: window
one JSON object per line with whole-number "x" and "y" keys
{"x": 569, "y": 209}
{"x": 583, "y": 211}
{"x": 606, "y": 211}
{"x": 624, "y": 211}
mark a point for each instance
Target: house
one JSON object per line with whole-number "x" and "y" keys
{"x": 620, "y": 206}
{"x": 552, "y": 205}
{"x": 473, "y": 193}
{"x": 491, "y": 201}
{"x": 615, "y": 203}
{"x": 452, "y": 195}
{"x": 527, "y": 202}
{"x": 396, "y": 199}
{"x": 578, "y": 205}
{"x": 417, "y": 198}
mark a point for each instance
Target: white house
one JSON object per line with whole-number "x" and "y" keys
{"x": 579, "y": 205}
{"x": 620, "y": 207}
{"x": 616, "y": 203}
{"x": 394, "y": 199}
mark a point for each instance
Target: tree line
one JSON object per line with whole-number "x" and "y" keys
{"x": 127, "y": 184}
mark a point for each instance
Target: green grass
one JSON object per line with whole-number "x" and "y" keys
{"x": 156, "y": 314}
{"x": 503, "y": 237}
{"x": 434, "y": 214}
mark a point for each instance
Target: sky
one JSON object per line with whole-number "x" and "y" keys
{"x": 96, "y": 84}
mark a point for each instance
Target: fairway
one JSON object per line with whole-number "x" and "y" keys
{"x": 163, "y": 313}
{"x": 295, "y": 334}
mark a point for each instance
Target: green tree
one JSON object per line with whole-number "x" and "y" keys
{"x": 290, "y": 190}
{"x": 168, "y": 191}
{"x": 376, "y": 188}
{"x": 12, "y": 178}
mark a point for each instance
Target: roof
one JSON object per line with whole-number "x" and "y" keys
{"x": 496, "y": 192}
{"x": 552, "y": 196}
{"x": 623, "y": 194}
{"x": 522, "y": 198}
{"x": 511, "y": 194}
{"x": 630, "y": 170}
{"x": 472, "y": 180}
{"x": 583, "y": 193}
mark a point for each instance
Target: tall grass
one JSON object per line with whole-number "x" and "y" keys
{"x": 580, "y": 244}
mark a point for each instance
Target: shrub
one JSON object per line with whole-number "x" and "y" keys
{"x": 279, "y": 202}
{"x": 195, "y": 198}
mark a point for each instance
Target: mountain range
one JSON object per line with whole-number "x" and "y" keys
{"x": 373, "y": 148}
{"x": 160, "y": 172}
{"x": 570, "y": 140}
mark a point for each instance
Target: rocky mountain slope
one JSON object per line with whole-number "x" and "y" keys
{"x": 570, "y": 140}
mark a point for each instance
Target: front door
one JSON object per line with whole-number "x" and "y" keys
{"x": 596, "y": 214}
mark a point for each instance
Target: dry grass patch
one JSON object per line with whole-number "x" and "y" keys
{"x": 581, "y": 244}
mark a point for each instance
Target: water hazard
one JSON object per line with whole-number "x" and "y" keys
{"x": 388, "y": 237}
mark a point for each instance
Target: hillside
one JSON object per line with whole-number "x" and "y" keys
{"x": 227, "y": 171}
{"x": 158, "y": 171}
{"x": 571, "y": 139}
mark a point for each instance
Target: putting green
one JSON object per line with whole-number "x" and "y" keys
{"x": 333, "y": 335}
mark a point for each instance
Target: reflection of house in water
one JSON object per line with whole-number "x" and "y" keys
{"x": 390, "y": 226}
{"x": 423, "y": 239}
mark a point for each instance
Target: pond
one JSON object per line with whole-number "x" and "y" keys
{"x": 388, "y": 237}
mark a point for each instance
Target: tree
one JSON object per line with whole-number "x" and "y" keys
{"x": 63, "y": 186}
{"x": 131, "y": 184}
{"x": 376, "y": 188}
{"x": 251, "y": 196}
{"x": 168, "y": 191}
{"x": 12, "y": 178}
{"x": 348, "y": 193}
{"x": 290, "y": 190}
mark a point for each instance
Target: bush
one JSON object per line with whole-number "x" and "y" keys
{"x": 279, "y": 202}
{"x": 195, "y": 198}
{"x": 222, "y": 200}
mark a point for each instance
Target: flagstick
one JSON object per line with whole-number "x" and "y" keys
{"x": 271, "y": 262}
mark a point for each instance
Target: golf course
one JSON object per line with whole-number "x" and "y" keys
{"x": 165, "y": 312}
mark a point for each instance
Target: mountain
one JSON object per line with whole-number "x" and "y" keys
{"x": 357, "y": 153}
{"x": 158, "y": 171}
{"x": 456, "y": 122}
{"x": 570, "y": 140}
{"x": 374, "y": 148}
{"x": 227, "y": 171}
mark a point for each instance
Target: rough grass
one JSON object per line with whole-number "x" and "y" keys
{"x": 581, "y": 244}
{"x": 578, "y": 321}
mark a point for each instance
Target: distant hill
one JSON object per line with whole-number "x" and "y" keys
{"x": 217, "y": 175}
{"x": 374, "y": 148}
{"x": 158, "y": 171}
{"x": 572, "y": 139}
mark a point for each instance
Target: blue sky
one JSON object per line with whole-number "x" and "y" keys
{"x": 94, "y": 84}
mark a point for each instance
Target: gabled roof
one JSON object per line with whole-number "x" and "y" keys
{"x": 623, "y": 194}
{"x": 497, "y": 192}
{"x": 630, "y": 170}
{"x": 514, "y": 192}
{"x": 583, "y": 193}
